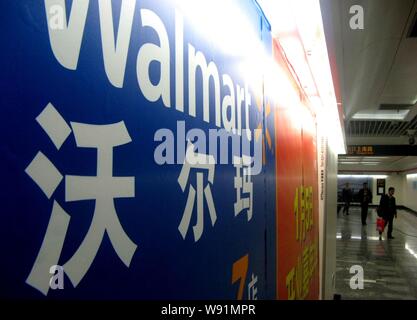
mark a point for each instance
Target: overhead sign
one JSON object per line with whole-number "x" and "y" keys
{"x": 382, "y": 150}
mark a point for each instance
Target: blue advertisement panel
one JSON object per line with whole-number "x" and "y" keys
{"x": 136, "y": 151}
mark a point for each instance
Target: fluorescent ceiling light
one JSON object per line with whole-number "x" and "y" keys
{"x": 364, "y": 160}
{"x": 360, "y": 160}
{"x": 375, "y": 176}
{"x": 411, "y": 175}
{"x": 381, "y": 115}
{"x": 361, "y": 163}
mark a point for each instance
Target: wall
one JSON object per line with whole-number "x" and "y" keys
{"x": 322, "y": 169}
{"x": 329, "y": 272}
{"x": 410, "y": 192}
{"x": 297, "y": 194}
{"x": 101, "y": 142}
{"x": 392, "y": 180}
{"x": 328, "y": 206}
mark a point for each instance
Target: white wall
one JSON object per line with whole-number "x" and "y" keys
{"x": 409, "y": 193}
{"x": 393, "y": 180}
{"x": 329, "y": 230}
{"x": 405, "y": 193}
{"x": 321, "y": 176}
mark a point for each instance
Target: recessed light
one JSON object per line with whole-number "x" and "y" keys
{"x": 381, "y": 115}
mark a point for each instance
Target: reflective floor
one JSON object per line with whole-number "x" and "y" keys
{"x": 389, "y": 266}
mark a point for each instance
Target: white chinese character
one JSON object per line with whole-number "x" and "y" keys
{"x": 103, "y": 188}
{"x": 203, "y": 162}
{"x": 243, "y": 184}
{"x": 252, "y": 289}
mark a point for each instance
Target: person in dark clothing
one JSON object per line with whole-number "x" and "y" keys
{"x": 388, "y": 209}
{"x": 347, "y": 198}
{"x": 365, "y": 197}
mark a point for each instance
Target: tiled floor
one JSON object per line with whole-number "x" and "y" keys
{"x": 390, "y": 266}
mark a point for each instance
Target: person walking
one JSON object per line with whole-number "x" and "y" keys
{"x": 365, "y": 198}
{"x": 388, "y": 209}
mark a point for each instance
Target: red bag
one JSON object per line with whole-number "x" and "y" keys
{"x": 380, "y": 224}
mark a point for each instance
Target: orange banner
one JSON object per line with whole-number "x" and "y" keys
{"x": 297, "y": 206}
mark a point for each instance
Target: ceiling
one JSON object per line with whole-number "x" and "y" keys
{"x": 377, "y": 164}
{"x": 379, "y": 128}
{"x": 376, "y": 67}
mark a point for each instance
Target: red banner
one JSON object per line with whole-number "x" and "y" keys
{"x": 297, "y": 206}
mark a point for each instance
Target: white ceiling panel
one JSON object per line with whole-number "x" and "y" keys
{"x": 388, "y": 164}
{"x": 376, "y": 66}
{"x": 369, "y": 54}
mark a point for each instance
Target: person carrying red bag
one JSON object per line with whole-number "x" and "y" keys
{"x": 380, "y": 226}
{"x": 387, "y": 210}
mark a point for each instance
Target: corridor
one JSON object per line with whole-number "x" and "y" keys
{"x": 390, "y": 266}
